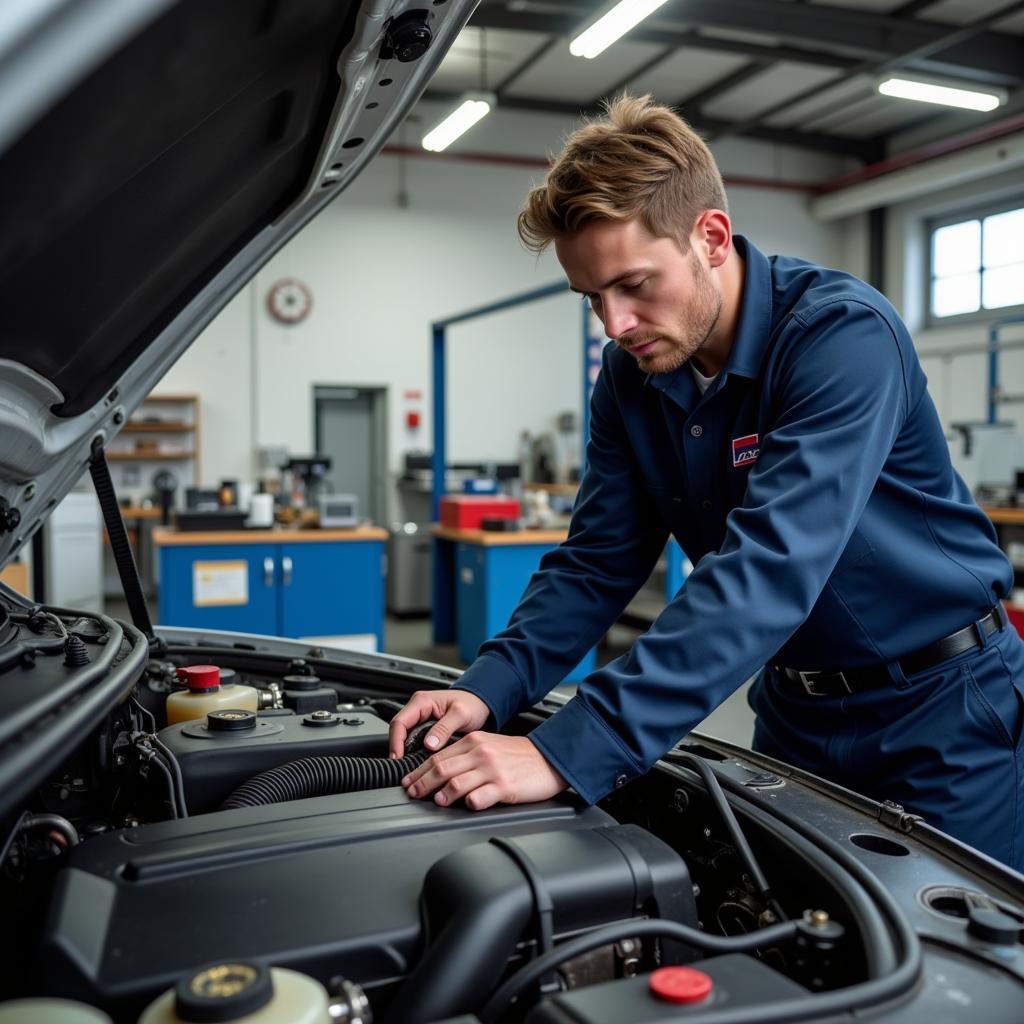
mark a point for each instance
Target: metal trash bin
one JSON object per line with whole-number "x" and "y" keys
{"x": 410, "y": 550}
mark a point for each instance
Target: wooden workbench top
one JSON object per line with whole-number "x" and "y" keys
{"x": 279, "y": 535}
{"x": 489, "y": 538}
{"x": 1006, "y": 516}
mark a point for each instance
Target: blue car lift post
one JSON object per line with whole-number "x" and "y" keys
{"x": 444, "y": 555}
{"x": 444, "y": 559}
{"x": 995, "y": 396}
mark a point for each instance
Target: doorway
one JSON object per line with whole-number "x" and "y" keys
{"x": 350, "y": 426}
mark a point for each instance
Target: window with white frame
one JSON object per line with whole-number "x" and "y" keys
{"x": 977, "y": 265}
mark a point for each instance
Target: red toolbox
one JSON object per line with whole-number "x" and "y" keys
{"x": 466, "y": 511}
{"x": 1015, "y": 613}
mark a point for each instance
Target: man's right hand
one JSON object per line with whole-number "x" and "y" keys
{"x": 455, "y": 711}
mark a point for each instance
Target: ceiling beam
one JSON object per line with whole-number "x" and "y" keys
{"x": 558, "y": 23}
{"x": 866, "y": 34}
{"x": 626, "y": 80}
{"x": 952, "y": 37}
{"x": 861, "y": 149}
{"x": 524, "y": 65}
{"x": 721, "y": 85}
{"x": 844, "y": 32}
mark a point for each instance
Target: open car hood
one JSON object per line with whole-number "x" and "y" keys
{"x": 153, "y": 155}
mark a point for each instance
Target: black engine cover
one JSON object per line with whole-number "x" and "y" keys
{"x": 326, "y": 886}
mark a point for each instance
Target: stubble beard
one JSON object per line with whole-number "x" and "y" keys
{"x": 695, "y": 326}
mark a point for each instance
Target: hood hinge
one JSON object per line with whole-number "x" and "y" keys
{"x": 892, "y": 814}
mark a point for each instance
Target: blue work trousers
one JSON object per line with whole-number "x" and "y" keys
{"x": 946, "y": 743}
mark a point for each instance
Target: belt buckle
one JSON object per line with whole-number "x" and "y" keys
{"x": 808, "y": 679}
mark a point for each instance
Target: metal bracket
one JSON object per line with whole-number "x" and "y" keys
{"x": 10, "y": 517}
{"x": 894, "y": 816}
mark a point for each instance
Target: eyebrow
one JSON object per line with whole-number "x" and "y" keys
{"x": 613, "y": 281}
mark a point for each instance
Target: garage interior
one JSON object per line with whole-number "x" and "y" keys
{"x": 284, "y": 479}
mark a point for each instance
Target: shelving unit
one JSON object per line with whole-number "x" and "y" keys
{"x": 164, "y": 430}
{"x": 163, "y": 433}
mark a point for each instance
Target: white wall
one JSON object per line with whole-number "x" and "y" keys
{"x": 380, "y": 274}
{"x": 958, "y": 382}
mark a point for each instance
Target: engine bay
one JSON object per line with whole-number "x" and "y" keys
{"x": 271, "y": 830}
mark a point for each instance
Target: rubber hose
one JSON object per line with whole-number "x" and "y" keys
{"x": 321, "y": 776}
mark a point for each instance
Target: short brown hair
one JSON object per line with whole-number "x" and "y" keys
{"x": 641, "y": 161}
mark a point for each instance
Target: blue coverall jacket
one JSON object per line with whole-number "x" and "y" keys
{"x": 811, "y": 487}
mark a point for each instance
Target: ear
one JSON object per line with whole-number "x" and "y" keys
{"x": 713, "y": 235}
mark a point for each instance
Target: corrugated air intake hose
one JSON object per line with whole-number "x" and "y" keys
{"x": 322, "y": 776}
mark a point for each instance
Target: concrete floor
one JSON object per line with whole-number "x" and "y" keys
{"x": 732, "y": 721}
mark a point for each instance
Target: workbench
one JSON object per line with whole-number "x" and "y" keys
{"x": 276, "y": 582}
{"x": 1009, "y": 524}
{"x": 479, "y": 577}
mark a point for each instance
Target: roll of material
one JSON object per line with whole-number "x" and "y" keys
{"x": 261, "y": 510}
{"x": 244, "y": 494}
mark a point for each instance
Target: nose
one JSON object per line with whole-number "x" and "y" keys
{"x": 618, "y": 318}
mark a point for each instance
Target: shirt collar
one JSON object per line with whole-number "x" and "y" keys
{"x": 754, "y": 328}
{"x": 752, "y": 332}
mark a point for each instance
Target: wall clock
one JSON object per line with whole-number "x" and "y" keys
{"x": 289, "y": 301}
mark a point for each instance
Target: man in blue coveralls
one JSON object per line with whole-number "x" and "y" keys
{"x": 773, "y": 416}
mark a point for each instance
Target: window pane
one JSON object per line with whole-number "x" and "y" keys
{"x": 1004, "y": 286}
{"x": 956, "y": 248}
{"x": 1004, "y": 239}
{"x": 959, "y": 294}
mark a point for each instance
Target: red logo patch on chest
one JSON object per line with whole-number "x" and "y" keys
{"x": 745, "y": 450}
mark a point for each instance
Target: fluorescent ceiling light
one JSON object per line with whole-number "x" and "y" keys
{"x": 935, "y": 92}
{"x": 473, "y": 107}
{"x": 617, "y": 22}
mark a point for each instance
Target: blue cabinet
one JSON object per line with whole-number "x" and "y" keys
{"x": 490, "y": 580}
{"x": 324, "y": 585}
{"x": 307, "y": 588}
{"x": 220, "y": 586}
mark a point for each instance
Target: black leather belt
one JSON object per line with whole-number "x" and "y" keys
{"x": 837, "y": 682}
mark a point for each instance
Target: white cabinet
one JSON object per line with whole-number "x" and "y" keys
{"x": 73, "y": 540}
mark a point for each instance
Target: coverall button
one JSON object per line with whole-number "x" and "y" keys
{"x": 620, "y": 781}
{"x": 696, "y": 430}
{"x": 706, "y": 505}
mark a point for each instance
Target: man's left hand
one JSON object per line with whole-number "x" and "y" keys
{"x": 485, "y": 769}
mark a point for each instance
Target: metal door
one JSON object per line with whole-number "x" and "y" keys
{"x": 350, "y": 428}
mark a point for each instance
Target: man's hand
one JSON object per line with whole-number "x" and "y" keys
{"x": 455, "y": 710}
{"x": 486, "y": 769}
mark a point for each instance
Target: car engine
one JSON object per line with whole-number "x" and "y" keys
{"x": 273, "y": 838}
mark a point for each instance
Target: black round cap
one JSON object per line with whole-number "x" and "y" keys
{"x": 301, "y": 682}
{"x": 223, "y": 992}
{"x": 321, "y": 719}
{"x": 993, "y": 926}
{"x": 231, "y": 720}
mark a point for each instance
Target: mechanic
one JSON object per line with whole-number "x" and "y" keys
{"x": 773, "y": 416}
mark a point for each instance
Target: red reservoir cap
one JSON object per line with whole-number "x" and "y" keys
{"x": 200, "y": 677}
{"x": 680, "y": 984}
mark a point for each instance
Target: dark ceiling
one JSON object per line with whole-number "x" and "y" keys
{"x": 787, "y": 71}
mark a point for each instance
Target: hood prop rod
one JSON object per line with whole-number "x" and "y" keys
{"x": 119, "y": 544}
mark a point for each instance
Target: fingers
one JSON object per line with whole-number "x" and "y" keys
{"x": 419, "y": 709}
{"x": 436, "y": 771}
{"x": 456, "y": 712}
{"x": 485, "y": 796}
{"x": 485, "y": 769}
{"x": 452, "y": 721}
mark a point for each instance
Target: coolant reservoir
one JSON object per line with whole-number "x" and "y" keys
{"x": 205, "y": 694}
{"x": 50, "y": 1011}
{"x": 247, "y": 993}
